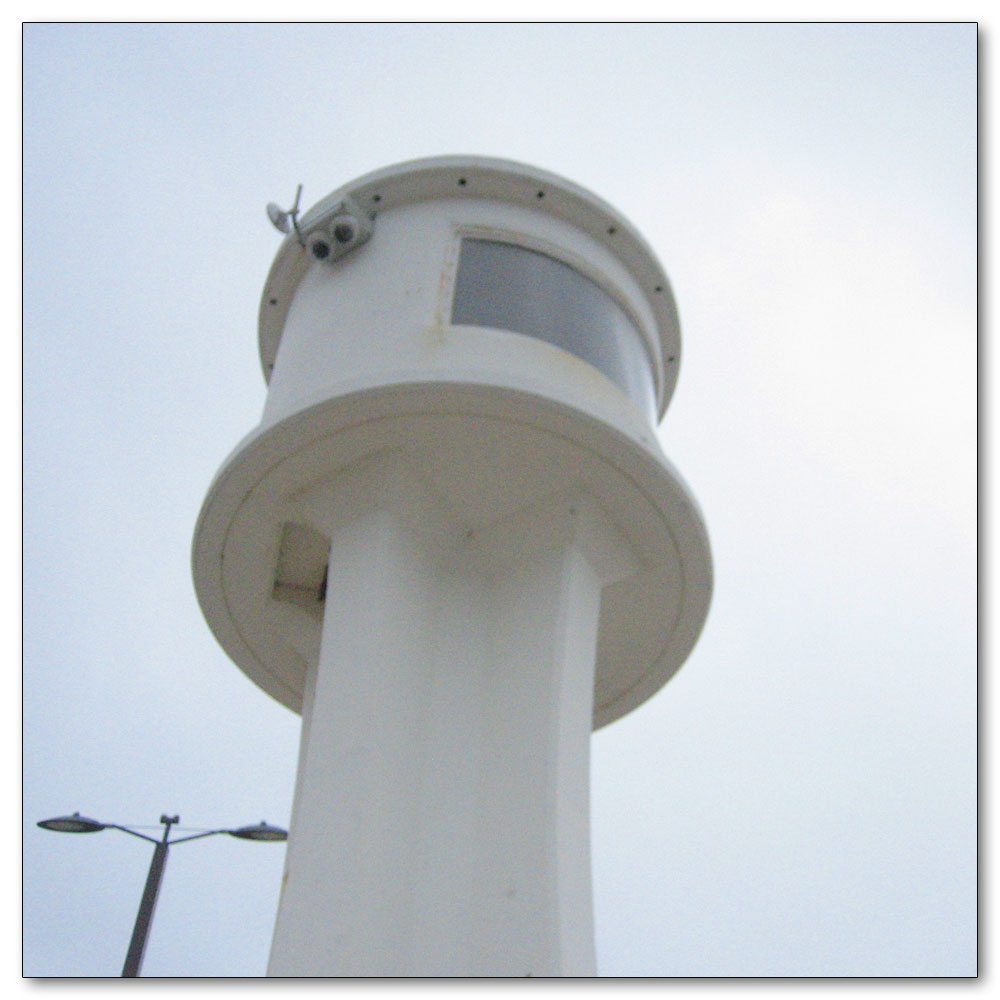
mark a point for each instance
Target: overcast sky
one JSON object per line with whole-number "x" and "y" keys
{"x": 800, "y": 800}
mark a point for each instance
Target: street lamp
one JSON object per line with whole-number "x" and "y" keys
{"x": 83, "y": 824}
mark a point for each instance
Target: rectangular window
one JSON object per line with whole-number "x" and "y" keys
{"x": 509, "y": 287}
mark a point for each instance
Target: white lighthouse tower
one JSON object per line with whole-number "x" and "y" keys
{"x": 455, "y": 547}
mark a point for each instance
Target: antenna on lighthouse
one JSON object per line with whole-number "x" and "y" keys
{"x": 282, "y": 220}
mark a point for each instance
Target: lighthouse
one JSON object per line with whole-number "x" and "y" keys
{"x": 455, "y": 547}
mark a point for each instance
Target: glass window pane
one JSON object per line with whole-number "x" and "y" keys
{"x": 509, "y": 287}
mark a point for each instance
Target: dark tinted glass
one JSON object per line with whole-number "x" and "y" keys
{"x": 511, "y": 288}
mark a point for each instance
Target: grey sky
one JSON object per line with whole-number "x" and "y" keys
{"x": 800, "y": 799}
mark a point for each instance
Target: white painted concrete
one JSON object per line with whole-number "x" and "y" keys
{"x": 441, "y": 819}
{"x": 509, "y": 561}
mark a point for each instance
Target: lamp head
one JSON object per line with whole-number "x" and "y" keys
{"x": 72, "y": 824}
{"x": 263, "y": 831}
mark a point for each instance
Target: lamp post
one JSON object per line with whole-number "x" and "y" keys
{"x": 137, "y": 946}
